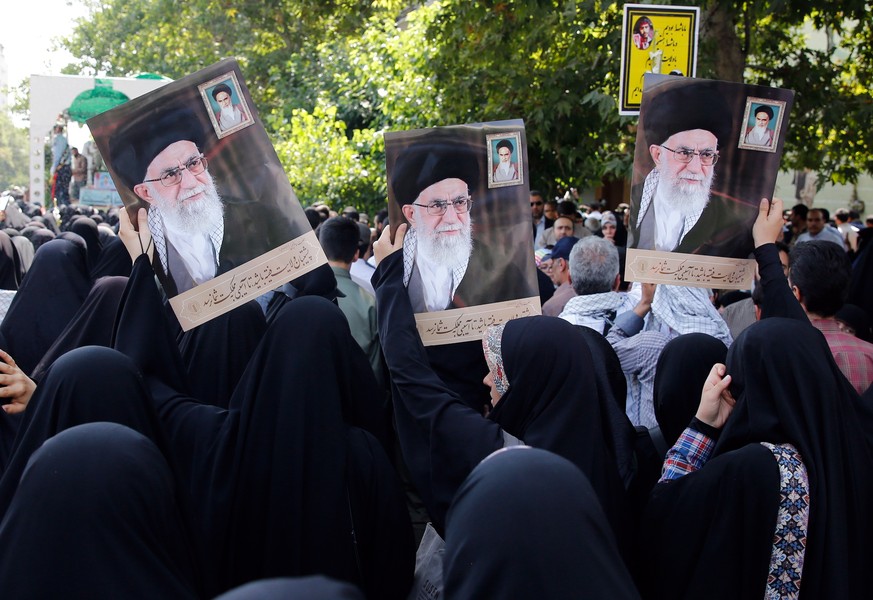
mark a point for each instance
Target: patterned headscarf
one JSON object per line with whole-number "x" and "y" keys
{"x": 493, "y": 356}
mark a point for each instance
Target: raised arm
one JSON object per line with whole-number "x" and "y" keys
{"x": 778, "y": 299}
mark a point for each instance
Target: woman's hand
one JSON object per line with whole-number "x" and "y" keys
{"x": 384, "y": 246}
{"x": 17, "y": 388}
{"x": 716, "y": 402}
{"x": 137, "y": 240}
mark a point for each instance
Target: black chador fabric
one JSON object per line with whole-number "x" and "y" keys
{"x": 90, "y": 326}
{"x": 87, "y": 229}
{"x": 710, "y": 533}
{"x": 73, "y": 393}
{"x": 37, "y": 235}
{"x": 277, "y": 476}
{"x": 526, "y": 523}
{"x": 315, "y": 587}
{"x": 52, "y": 291}
{"x": 682, "y": 368}
{"x": 10, "y": 265}
{"x": 114, "y": 260}
{"x": 554, "y": 408}
{"x": 216, "y": 353}
{"x": 96, "y": 516}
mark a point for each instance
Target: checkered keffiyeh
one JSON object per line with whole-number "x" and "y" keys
{"x": 650, "y": 186}
{"x": 688, "y": 310}
{"x": 156, "y": 226}
{"x": 410, "y": 243}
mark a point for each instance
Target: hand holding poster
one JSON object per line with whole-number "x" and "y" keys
{"x": 698, "y": 181}
{"x": 463, "y": 191}
{"x": 225, "y": 222}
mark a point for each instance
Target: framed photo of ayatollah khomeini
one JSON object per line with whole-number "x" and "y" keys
{"x": 466, "y": 254}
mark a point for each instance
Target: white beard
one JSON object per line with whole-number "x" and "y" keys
{"x": 201, "y": 216}
{"x": 448, "y": 250}
{"x": 685, "y": 196}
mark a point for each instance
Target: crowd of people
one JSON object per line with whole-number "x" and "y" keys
{"x": 631, "y": 442}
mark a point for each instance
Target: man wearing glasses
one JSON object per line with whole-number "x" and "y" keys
{"x": 433, "y": 184}
{"x": 198, "y": 234}
{"x": 685, "y": 130}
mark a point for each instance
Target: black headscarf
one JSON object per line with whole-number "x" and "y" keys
{"x": 96, "y": 515}
{"x": 277, "y": 476}
{"x": 52, "y": 291}
{"x": 526, "y": 523}
{"x": 216, "y": 353}
{"x": 716, "y": 525}
{"x": 37, "y": 236}
{"x": 10, "y": 265}
{"x": 87, "y": 229}
{"x": 114, "y": 260}
{"x": 682, "y": 369}
{"x": 90, "y": 326}
{"x": 554, "y": 402}
{"x": 75, "y": 392}
{"x": 315, "y": 587}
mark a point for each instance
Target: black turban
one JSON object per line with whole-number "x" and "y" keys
{"x": 687, "y": 107}
{"x": 136, "y": 143}
{"x": 426, "y": 163}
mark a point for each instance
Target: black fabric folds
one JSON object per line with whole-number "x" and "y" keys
{"x": 277, "y": 476}
{"x": 527, "y": 524}
{"x": 550, "y": 404}
{"x": 87, "y": 229}
{"x": 10, "y": 265}
{"x": 682, "y": 369}
{"x": 52, "y": 291}
{"x": 90, "y": 326}
{"x": 785, "y": 394}
{"x": 96, "y": 516}
{"x": 114, "y": 260}
{"x": 315, "y": 587}
{"x": 216, "y": 353}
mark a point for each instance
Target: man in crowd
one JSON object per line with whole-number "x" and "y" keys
{"x": 567, "y": 223}
{"x": 558, "y": 270}
{"x": 848, "y": 231}
{"x": 537, "y": 208}
{"x": 594, "y": 272}
{"x": 80, "y": 173}
{"x": 339, "y": 239}
{"x": 818, "y": 229}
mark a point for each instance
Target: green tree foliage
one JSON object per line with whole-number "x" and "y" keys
{"x": 329, "y": 75}
{"x": 13, "y": 154}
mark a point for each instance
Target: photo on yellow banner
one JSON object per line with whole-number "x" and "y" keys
{"x": 655, "y": 39}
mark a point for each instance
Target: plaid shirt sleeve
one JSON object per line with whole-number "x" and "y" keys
{"x": 688, "y": 454}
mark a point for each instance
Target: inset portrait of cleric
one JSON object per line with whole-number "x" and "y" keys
{"x": 643, "y": 33}
{"x": 763, "y": 123}
{"x": 198, "y": 234}
{"x": 506, "y": 169}
{"x": 228, "y": 110}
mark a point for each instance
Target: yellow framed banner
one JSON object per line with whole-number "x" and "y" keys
{"x": 655, "y": 39}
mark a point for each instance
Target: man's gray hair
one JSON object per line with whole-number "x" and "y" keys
{"x": 593, "y": 265}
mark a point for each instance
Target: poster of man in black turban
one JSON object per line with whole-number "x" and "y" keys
{"x": 466, "y": 253}
{"x": 226, "y": 224}
{"x": 695, "y": 190}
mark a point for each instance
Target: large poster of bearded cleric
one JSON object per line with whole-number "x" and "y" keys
{"x": 464, "y": 193}
{"x": 225, "y": 221}
{"x": 700, "y": 171}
